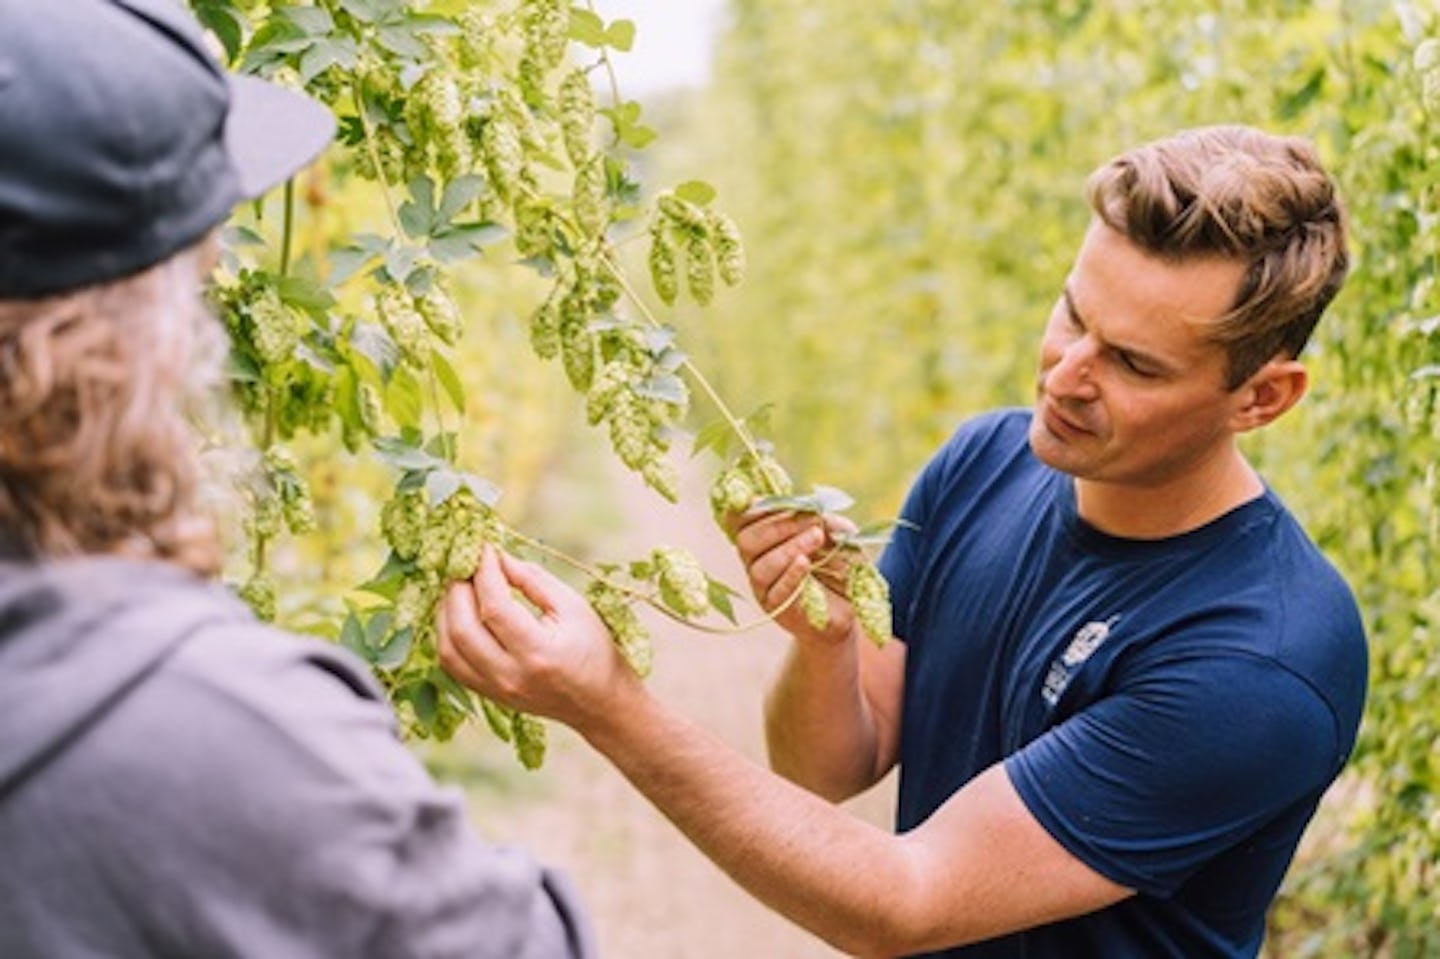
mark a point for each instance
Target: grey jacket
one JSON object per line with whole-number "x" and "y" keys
{"x": 177, "y": 780}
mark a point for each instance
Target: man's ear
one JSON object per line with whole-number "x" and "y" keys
{"x": 1270, "y": 391}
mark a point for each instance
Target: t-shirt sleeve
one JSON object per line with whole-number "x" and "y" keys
{"x": 294, "y": 822}
{"x": 900, "y": 564}
{"x": 1152, "y": 782}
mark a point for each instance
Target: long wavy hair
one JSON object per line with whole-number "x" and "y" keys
{"x": 97, "y": 452}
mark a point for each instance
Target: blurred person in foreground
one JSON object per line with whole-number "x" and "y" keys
{"x": 1123, "y": 675}
{"x": 176, "y": 778}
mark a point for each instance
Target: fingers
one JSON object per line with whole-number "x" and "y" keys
{"x": 466, "y": 649}
{"x": 536, "y": 583}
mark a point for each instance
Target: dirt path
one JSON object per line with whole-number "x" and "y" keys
{"x": 649, "y": 893}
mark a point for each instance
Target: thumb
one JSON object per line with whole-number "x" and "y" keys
{"x": 538, "y": 585}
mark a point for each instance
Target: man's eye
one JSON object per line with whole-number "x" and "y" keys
{"x": 1129, "y": 363}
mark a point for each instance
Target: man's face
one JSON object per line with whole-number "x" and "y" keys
{"x": 1129, "y": 391}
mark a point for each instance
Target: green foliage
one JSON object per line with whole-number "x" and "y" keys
{"x": 487, "y": 153}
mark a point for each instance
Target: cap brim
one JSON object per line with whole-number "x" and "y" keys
{"x": 272, "y": 133}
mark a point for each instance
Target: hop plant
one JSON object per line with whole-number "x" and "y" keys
{"x": 732, "y": 492}
{"x": 1427, "y": 65}
{"x": 591, "y": 209}
{"x": 577, "y": 345}
{"x": 767, "y": 476}
{"x": 504, "y": 155}
{"x": 259, "y": 593}
{"x": 405, "y": 325}
{"x": 441, "y": 314}
{"x": 662, "y": 477}
{"x": 699, "y": 269}
{"x": 663, "y": 273}
{"x": 630, "y": 429}
{"x": 613, "y": 377}
{"x": 274, "y": 328}
{"x": 813, "y": 603}
{"x": 576, "y": 102}
{"x": 618, "y": 615}
{"x": 402, "y": 522}
{"x": 530, "y": 740}
{"x": 683, "y": 585}
{"x": 547, "y": 27}
{"x": 729, "y": 251}
{"x": 683, "y": 213}
{"x": 869, "y": 595}
{"x": 545, "y": 329}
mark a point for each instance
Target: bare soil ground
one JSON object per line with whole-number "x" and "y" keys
{"x": 649, "y": 894}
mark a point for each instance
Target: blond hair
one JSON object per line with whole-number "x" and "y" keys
{"x": 96, "y": 452}
{"x": 1239, "y": 193}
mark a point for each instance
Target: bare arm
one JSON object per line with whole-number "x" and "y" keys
{"x": 980, "y": 867}
{"x": 832, "y": 719}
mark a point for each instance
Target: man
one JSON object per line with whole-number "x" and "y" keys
{"x": 1124, "y": 676}
{"x": 177, "y": 779}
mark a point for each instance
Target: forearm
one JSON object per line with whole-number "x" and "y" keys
{"x": 787, "y": 847}
{"x": 819, "y": 727}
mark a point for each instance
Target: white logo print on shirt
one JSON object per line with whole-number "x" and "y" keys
{"x": 1088, "y": 638}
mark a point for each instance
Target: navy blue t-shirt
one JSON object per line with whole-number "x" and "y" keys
{"x": 1169, "y": 710}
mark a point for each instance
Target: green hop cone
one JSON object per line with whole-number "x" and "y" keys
{"x": 370, "y": 409}
{"x": 402, "y": 523}
{"x": 699, "y": 269}
{"x": 613, "y": 377}
{"x": 813, "y": 603}
{"x": 732, "y": 492}
{"x": 577, "y": 348}
{"x": 534, "y": 227}
{"x": 405, "y": 325}
{"x": 471, "y": 532}
{"x": 530, "y": 738}
{"x": 504, "y": 155}
{"x": 498, "y": 718}
{"x": 663, "y": 272}
{"x": 683, "y": 584}
{"x": 441, "y": 314}
{"x": 729, "y": 252}
{"x": 266, "y": 518}
{"x": 545, "y": 329}
{"x": 577, "y": 115}
{"x": 298, "y": 506}
{"x": 415, "y": 602}
{"x": 682, "y": 213}
{"x": 869, "y": 595}
{"x": 768, "y": 476}
{"x": 274, "y": 328}
{"x": 630, "y": 429}
{"x": 592, "y": 211}
{"x": 661, "y": 476}
{"x": 259, "y": 594}
{"x": 630, "y": 636}
{"x": 477, "y": 38}
{"x": 547, "y": 29}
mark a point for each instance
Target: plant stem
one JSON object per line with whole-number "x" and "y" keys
{"x": 735, "y": 423}
{"x": 646, "y": 598}
{"x": 287, "y": 228}
{"x": 375, "y": 156}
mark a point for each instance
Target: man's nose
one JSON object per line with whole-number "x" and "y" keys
{"x": 1070, "y": 376}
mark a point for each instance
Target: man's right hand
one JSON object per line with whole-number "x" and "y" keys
{"x": 779, "y": 549}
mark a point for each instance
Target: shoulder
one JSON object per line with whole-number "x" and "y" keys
{"x": 985, "y": 443}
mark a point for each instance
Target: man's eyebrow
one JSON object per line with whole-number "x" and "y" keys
{"x": 1145, "y": 357}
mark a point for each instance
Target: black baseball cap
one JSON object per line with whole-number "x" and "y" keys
{"x": 122, "y": 139}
